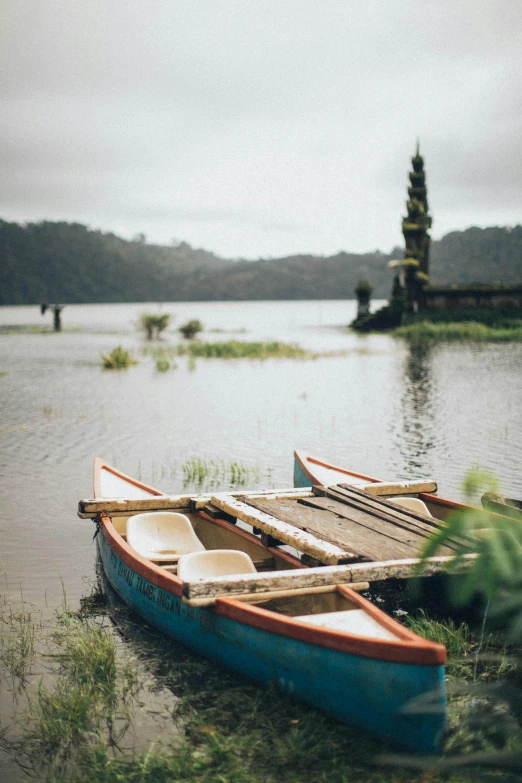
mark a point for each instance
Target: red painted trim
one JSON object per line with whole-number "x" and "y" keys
{"x": 406, "y": 650}
{"x": 438, "y": 501}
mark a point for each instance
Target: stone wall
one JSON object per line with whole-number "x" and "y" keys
{"x": 447, "y": 297}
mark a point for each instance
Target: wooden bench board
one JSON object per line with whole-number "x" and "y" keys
{"x": 390, "y": 488}
{"x": 89, "y": 508}
{"x": 255, "y": 583}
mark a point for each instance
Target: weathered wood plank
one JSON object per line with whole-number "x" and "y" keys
{"x": 391, "y": 540}
{"x": 380, "y": 506}
{"x": 395, "y": 487}
{"x": 256, "y": 583}
{"x": 287, "y": 533}
{"x": 259, "y": 598}
{"x": 87, "y": 509}
{"x": 118, "y": 507}
{"x": 388, "y": 534}
{"x": 408, "y": 517}
{"x": 407, "y": 569}
{"x": 409, "y": 520}
{"x": 380, "y": 501}
{"x": 347, "y": 533}
{"x": 198, "y": 503}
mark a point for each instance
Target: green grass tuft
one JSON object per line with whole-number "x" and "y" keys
{"x": 17, "y": 641}
{"x": 237, "y": 349}
{"x": 118, "y": 359}
{"x": 456, "y": 639}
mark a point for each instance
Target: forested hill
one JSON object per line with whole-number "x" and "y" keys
{"x": 68, "y": 262}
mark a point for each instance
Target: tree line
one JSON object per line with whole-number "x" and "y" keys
{"x": 69, "y": 262}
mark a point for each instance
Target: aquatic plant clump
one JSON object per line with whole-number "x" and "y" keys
{"x": 191, "y": 329}
{"x": 118, "y": 359}
{"x": 154, "y": 323}
{"x": 238, "y": 349}
{"x": 211, "y": 473}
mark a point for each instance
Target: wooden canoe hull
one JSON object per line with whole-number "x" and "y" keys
{"x": 369, "y": 692}
{"x": 373, "y": 684}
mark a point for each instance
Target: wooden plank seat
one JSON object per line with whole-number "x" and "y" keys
{"x": 162, "y": 536}
{"x": 258, "y": 587}
{"x": 390, "y": 488}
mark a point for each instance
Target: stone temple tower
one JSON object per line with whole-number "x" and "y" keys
{"x": 416, "y": 224}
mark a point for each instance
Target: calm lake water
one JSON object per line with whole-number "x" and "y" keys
{"x": 379, "y": 408}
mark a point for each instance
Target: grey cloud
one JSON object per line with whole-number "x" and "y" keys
{"x": 260, "y": 128}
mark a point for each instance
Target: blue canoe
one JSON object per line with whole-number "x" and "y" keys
{"x": 339, "y": 653}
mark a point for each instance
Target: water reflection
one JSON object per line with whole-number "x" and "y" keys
{"x": 416, "y": 435}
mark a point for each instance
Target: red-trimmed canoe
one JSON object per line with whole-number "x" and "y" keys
{"x": 336, "y": 650}
{"x": 309, "y": 471}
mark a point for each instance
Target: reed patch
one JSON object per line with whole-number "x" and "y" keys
{"x": 239, "y": 349}
{"x": 470, "y": 331}
{"x": 209, "y": 473}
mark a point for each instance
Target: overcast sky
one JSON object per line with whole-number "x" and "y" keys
{"x": 260, "y": 128}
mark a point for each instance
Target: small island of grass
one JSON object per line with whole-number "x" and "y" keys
{"x": 465, "y": 330}
{"x": 238, "y": 349}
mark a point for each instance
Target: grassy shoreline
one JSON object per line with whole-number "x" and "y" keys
{"x": 84, "y": 719}
{"x": 453, "y": 331}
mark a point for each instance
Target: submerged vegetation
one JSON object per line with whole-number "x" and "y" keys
{"x": 191, "y": 329}
{"x": 153, "y": 324}
{"x": 118, "y": 359}
{"x": 234, "y": 349}
{"x": 237, "y": 349}
{"x": 211, "y": 473}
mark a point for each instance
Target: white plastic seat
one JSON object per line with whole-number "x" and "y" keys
{"x": 162, "y": 535}
{"x": 414, "y": 504}
{"x": 214, "y": 562}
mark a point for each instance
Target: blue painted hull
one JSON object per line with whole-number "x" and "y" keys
{"x": 367, "y": 691}
{"x": 300, "y": 480}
